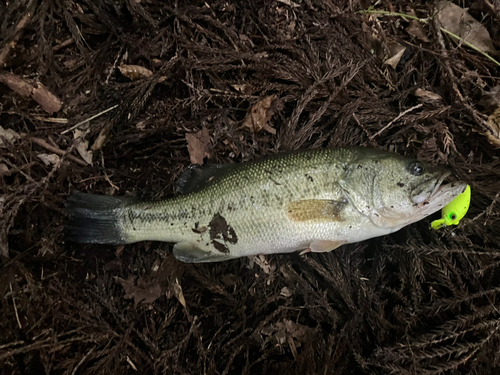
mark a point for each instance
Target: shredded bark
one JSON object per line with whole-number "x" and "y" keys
{"x": 415, "y": 302}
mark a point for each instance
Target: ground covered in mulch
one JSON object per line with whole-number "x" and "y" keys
{"x": 228, "y": 81}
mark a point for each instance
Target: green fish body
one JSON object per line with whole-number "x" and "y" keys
{"x": 313, "y": 200}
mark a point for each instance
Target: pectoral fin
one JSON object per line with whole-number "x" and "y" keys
{"x": 189, "y": 252}
{"x": 316, "y": 209}
{"x": 323, "y": 246}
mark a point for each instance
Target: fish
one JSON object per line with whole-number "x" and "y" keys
{"x": 311, "y": 201}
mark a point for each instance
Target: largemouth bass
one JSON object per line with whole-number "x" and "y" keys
{"x": 315, "y": 200}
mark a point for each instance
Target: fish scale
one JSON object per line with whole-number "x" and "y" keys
{"x": 316, "y": 199}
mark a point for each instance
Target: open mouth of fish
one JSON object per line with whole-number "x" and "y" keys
{"x": 441, "y": 192}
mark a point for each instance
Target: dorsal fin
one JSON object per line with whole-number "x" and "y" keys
{"x": 196, "y": 176}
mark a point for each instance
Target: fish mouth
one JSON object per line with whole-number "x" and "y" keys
{"x": 439, "y": 183}
{"x": 435, "y": 194}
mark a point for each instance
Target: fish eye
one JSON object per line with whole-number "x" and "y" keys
{"x": 453, "y": 216}
{"x": 416, "y": 168}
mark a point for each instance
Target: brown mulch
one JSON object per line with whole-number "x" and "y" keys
{"x": 415, "y": 302}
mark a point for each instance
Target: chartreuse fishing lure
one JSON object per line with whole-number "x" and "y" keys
{"x": 454, "y": 211}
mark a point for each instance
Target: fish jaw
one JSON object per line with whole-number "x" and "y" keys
{"x": 440, "y": 197}
{"x": 424, "y": 191}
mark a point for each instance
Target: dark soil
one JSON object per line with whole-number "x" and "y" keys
{"x": 416, "y": 302}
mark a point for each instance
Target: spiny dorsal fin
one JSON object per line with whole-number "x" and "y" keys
{"x": 195, "y": 177}
{"x": 316, "y": 209}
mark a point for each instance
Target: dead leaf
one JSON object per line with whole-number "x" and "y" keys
{"x": 143, "y": 292}
{"x": 82, "y": 145}
{"x": 49, "y": 159}
{"x": 259, "y": 115}
{"x": 119, "y": 250}
{"x": 178, "y": 292}
{"x": 458, "y": 21}
{"x": 396, "y": 51}
{"x": 289, "y": 3}
{"x": 135, "y": 72}
{"x": 198, "y": 145}
{"x": 373, "y": 39}
{"x": 493, "y": 135}
{"x": 163, "y": 280}
{"x": 8, "y": 135}
{"x": 427, "y": 96}
{"x": 288, "y": 331}
{"x": 416, "y": 30}
{"x": 297, "y": 331}
{"x": 264, "y": 264}
{"x": 38, "y": 92}
{"x": 244, "y": 88}
{"x": 490, "y": 100}
{"x": 4, "y": 170}
{"x": 285, "y": 292}
{"x": 128, "y": 285}
{"x": 102, "y": 138}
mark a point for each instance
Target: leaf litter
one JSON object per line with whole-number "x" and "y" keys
{"x": 259, "y": 115}
{"x": 311, "y": 71}
{"x": 198, "y": 145}
{"x": 458, "y": 21}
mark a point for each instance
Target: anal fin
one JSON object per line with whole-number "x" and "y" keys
{"x": 323, "y": 246}
{"x": 189, "y": 252}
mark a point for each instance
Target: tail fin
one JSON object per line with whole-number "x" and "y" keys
{"x": 95, "y": 218}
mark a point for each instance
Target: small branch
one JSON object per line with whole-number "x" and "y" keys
{"x": 106, "y": 175}
{"x": 20, "y": 26}
{"x": 89, "y": 119}
{"x": 56, "y": 150}
{"x": 387, "y": 13}
{"x": 84, "y": 358}
{"x": 396, "y": 119}
{"x": 66, "y": 43}
{"x": 469, "y": 45}
{"x": 15, "y": 308}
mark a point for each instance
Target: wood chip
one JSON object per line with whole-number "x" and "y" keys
{"x": 48, "y": 101}
{"x": 38, "y": 92}
{"x": 135, "y": 72}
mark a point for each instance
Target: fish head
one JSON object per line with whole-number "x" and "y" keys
{"x": 394, "y": 191}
